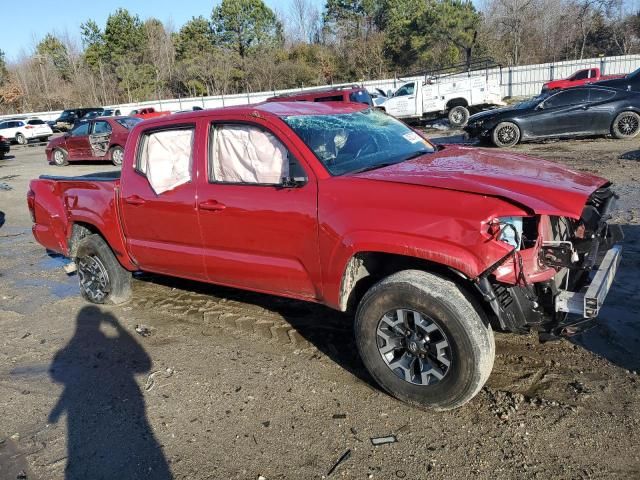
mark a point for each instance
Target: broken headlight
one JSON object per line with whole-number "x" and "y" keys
{"x": 510, "y": 231}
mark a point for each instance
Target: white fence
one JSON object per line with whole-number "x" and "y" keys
{"x": 521, "y": 81}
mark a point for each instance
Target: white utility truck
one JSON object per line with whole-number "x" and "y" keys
{"x": 453, "y": 95}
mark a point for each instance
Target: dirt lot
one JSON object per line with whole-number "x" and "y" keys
{"x": 236, "y": 385}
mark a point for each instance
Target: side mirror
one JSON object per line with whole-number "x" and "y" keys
{"x": 293, "y": 182}
{"x": 540, "y": 106}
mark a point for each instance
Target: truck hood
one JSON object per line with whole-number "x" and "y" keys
{"x": 540, "y": 186}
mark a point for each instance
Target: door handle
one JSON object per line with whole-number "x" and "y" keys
{"x": 134, "y": 200}
{"x": 410, "y": 98}
{"x": 212, "y": 206}
{"x": 585, "y": 107}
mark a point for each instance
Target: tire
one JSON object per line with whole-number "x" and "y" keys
{"x": 21, "y": 139}
{"x": 102, "y": 278}
{"x": 117, "y": 154}
{"x": 505, "y": 134}
{"x": 458, "y": 116}
{"x": 626, "y": 125}
{"x": 59, "y": 157}
{"x": 451, "y": 316}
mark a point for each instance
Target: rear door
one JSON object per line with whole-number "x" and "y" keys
{"x": 99, "y": 138}
{"x": 158, "y": 199}
{"x": 601, "y": 111}
{"x": 77, "y": 143}
{"x": 258, "y": 233}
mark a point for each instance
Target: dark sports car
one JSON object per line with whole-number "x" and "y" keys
{"x": 574, "y": 112}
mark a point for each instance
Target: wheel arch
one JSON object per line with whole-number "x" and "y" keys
{"x": 365, "y": 268}
{"x": 81, "y": 227}
{"x": 457, "y": 102}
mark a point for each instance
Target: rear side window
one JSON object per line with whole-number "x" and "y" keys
{"x": 165, "y": 158}
{"x": 128, "y": 122}
{"x": 600, "y": 95}
{"x": 101, "y": 127}
{"x": 361, "y": 96}
{"x": 332, "y": 98}
{"x": 247, "y": 154}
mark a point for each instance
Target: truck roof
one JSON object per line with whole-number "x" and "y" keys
{"x": 279, "y": 109}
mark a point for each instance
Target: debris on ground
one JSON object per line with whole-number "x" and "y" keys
{"x": 5, "y": 186}
{"x": 144, "y": 330}
{"x": 345, "y": 456}
{"x": 339, "y": 416}
{"x": 377, "y": 441}
{"x": 151, "y": 378}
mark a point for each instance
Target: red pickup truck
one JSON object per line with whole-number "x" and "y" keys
{"x": 581, "y": 77}
{"x": 148, "y": 112}
{"x": 433, "y": 247}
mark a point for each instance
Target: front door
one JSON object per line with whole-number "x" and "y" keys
{"x": 564, "y": 113}
{"x": 77, "y": 143}
{"x": 258, "y": 231}
{"x": 159, "y": 203}
{"x": 403, "y": 103}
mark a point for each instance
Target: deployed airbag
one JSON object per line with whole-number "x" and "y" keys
{"x": 166, "y": 159}
{"x": 248, "y": 154}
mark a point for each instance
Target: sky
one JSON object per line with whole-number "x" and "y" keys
{"x": 22, "y": 28}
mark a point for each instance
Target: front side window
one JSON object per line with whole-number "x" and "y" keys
{"x": 582, "y": 75}
{"x": 243, "y": 153}
{"x": 82, "y": 129}
{"x": 165, "y": 158}
{"x": 405, "y": 90}
{"x": 358, "y": 141}
{"x": 573, "y": 96}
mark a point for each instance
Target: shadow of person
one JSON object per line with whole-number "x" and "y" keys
{"x": 108, "y": 435}
{"x": 1, "y": 218}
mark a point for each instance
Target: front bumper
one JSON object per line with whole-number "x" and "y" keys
{"x": 589, "y": 300}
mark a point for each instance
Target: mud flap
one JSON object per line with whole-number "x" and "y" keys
{"x": 100, "y": 144}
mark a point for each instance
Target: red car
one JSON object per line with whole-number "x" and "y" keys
{"x": 101, "y": 138}
{"x": 581, "y": 77}
{"x": 341, "y": 204}
{"x": 351, "y": 93}
{"x": 147, "y": 113}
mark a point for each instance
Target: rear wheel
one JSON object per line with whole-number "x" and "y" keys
{"x": 59, "y": 157}
{"x": 458, "y": 116}
{"x": 102, "y": 278}
{"x": 626, "y": 125}
{"x": 424, "y": 340}
{"x": 505, "y": 134}
{"x": 21, "y": 139}
{"x": 117, "y": 155}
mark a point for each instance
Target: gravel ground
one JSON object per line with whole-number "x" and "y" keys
{"x": 229, "y": 384}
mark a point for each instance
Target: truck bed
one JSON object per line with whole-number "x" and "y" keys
{"x": 91, "y": 177}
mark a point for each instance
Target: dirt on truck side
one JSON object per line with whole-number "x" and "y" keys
{"x": 230, "y": 384}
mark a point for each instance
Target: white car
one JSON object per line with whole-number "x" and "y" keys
{"x": 23, "y": 130}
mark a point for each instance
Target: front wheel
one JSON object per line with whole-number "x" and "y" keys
{"x": 506, "y": 134}
{"x": 458, "y": 116}
{"x": 102, "y": 278}
{"x": 21, "y": 139}
{"x": 424, "y": 340}
{"x": 60, "y": 157}
{"x": 117, "y": 154}
{"x": 626, "y": 125}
